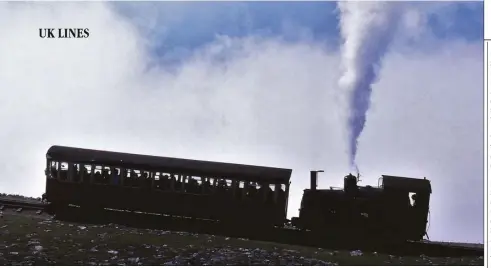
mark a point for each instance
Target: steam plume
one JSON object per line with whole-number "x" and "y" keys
{"x": 366, "y": 29}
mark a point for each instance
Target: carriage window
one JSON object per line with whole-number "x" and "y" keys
{"x": 267, "y": 193}
{"x": 134, "y": 178}
{"x": 172, "y": 182}
{"x": 162, "y": 181}
{"x": 205, "y": 185}
{"x": 192, "y": 185}
{"x": 74, "y": 172}
{"x": 244, "y": 188}
{"x": 145, "y": 175}
{"x": 106, "y": 174}
{"x": 146, "y": 180}
{"x": 239, "y": 188}
{"x": 135, "y": 174}
{"x": 252, "y": 190}
{"x": 412, "y": 198}
{"x": 88, "y": 169}
{"x": 179, "y": 186}
{"x": 63, "y": 171}
{"x": 52, "y": 173}
{"x": 128, "y": 177}
{"x": 222, "y": 185}
{"x": 115, "y": 176}
{"x": 85, "y": 173}
{"x": 98, "y": 175}
{"x": 151, "y": 179}
{"x": 163, "y": 175}
{"x": 280, "y": 196}
{"x": 236, "y": 189}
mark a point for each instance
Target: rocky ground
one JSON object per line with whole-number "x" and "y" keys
{"x": 30, "y": 239}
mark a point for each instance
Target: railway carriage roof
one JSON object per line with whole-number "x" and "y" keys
{"x": 170, "y": 165}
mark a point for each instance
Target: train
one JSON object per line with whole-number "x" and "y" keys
{"x": 234, "y": 195}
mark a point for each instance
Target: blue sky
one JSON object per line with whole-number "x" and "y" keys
{"x": 291, "y": 21}
{"x": 248, "y": 82}
{"x": 467, "y": 22}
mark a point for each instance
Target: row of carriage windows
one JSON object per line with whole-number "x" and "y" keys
{"x": 82, "y": 173}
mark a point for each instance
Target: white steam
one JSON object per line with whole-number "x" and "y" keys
{"x": 367, "y": 29}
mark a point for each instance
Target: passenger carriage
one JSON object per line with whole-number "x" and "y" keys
{"x": 93, "y": 179}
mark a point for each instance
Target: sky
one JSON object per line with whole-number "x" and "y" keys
{"x": 248, "y": 82}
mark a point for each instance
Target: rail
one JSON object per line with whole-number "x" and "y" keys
{"x": 12, "y": 203}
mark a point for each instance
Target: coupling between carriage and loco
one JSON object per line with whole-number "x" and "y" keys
{"x": 243, "y": 194}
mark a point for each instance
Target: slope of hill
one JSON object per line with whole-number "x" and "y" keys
{"x": 30, "y": 239}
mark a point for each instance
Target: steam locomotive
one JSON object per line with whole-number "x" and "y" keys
{"x": 234, "y": 195}
{"x": 397, "y": 209}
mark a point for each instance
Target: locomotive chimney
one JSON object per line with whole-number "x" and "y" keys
{"x": 313, "y": 179}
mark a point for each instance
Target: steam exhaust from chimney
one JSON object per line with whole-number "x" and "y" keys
{"x": 367, "y": 29}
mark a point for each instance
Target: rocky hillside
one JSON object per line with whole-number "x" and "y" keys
{"x": 30, "y": 239}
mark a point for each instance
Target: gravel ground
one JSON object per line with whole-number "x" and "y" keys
{"x": 38, "y": 240}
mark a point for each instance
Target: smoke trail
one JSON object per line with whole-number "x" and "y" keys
{"x": 366, "y": 29}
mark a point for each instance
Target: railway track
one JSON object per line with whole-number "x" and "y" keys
{"x": 6, "y": 203}
{"x": 278, "y": 235}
